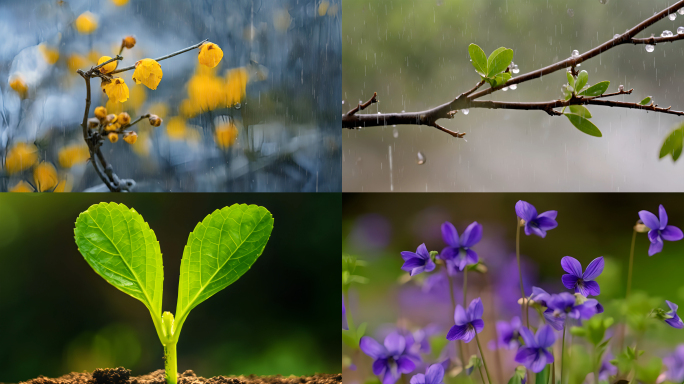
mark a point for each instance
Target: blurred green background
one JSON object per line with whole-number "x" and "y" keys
{"x": 377, "y": 227}
{"x": 59, "y": 316}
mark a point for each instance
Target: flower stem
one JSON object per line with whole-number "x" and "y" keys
{"x": 562, "y": 354}
{"x": 631, "y": 264}
{"x": 523, "y": 307}
{"x": 453, "y": 304}
{"x": 170, "y": 364}
{"x": 465, "y": 286}
{"x": 484, "y": 362}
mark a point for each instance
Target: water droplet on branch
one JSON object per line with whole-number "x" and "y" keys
{"x": 666, "y": 33}
{"x": 514, "y": 87}
{"x": 615, "y": 36}
{"x": 649, "y": 48}
{"x": 680, "y": 30}
{"x": 681, "y": 11}
{"x": 465, "y": 111}
{"x": 621, "y": 88}
{"x": 672, "y": 16}
{"x": 575, "y": 54}
{"x": 420, "y": 159}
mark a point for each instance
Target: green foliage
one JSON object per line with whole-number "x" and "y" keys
{"x": 582, "y": 79}
{"x": 474, "y": 362}
{"x": 673, "y": 144}
{"x": 543, "y": 376}
{"x": 518, "y": 375}
{"x": 349, "y": 276}
{"x": 593, "y": 329}
{"x": 646, "y": 100}
{"x": 648, "y": 373}
{"x": 597, "y": 89}
{"x": 580, "y": 110}
{"x": 493, "y": 70}
{"x": 583, "y": 125}
{"x": 579, "y": 115}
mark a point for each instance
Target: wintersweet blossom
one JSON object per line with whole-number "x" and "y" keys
{"x": 582, "y": 283}
{"x": 116, "y": 90}
{"x": 535, "y": 354}
{"x": 535, "y": 223}
{"x": 392, "y": 358}
{"x": 418, "y": 262}
{"x": 45, "y": 177}
{"x": 659, "y": 230}
{"x": 468, "y": 322}
{"x": 86, "y": 23}
{"x": 107, "y": 67}
{"x": 433, "y": 375}
{"x": 19, "y": 86}
{"x": 225, "y": 135}
{"x": 210, "y": 54}
{"x": 458, "y": 250}
{"x": 21, "y": 157}
{"x": 148, "y": 72}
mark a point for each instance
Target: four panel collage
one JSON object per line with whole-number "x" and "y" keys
{"x": 501, "y": 178}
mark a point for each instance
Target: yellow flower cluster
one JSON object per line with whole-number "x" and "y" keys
{"x": 86, "y": 23}
{"x": 207, "y": 92}
{"x": 210, "y": 54}
{"x": 19, "y": 86}
{"x": 72, "y": 155}
{"x": 225, "y": 135}
{"x": 116, "y": 90}
{"x": 20, "y": 157}
{"x": 148, "y": 72}
{"x": 236, "y": 85}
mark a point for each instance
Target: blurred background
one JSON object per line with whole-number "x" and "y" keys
{"x": 375, "y": 230}
{"x": 59, "y": 316}
{"x": 415, "y": 55}
{"x": 279, "y": 133}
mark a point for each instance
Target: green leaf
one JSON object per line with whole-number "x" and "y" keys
{"x": 597, "y": 89}
{"x": 580, "y": 110}
{"x": 498, "y": 61}
{"x": 479, "y": 59}
{"x": 584, "y": 125}
{"x": 349, "y": 339}
{"x": 120, "y": 246}
{"x": 571, "y": 79}
{"x": 582, "y": 79}
{"x": 219, "y": 250}
{"x": 645, "y": 101}
{"x": 515, "y": 380}
{"x": 673, "y": 144}
{"x": 499, "y": 79}
{"x": 360, "y": 331}
{"x": 578, "y": 331}
{"x": 543, "y": 376}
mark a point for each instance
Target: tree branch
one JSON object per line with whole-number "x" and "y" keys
{"x": 164, "y": 57}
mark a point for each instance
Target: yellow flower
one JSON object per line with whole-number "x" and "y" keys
{"x": 123, "y": 118}
{"x": 155, "y": 120}
{"x": 206, "y": 93}
{"x": 107, "y": 67}
{"x": 225, "y": 135}
{"x": 51, "y": 55}
{"x": 21, "y": 186}
{"x": 119, "y": 3}
{"x": 45, "y": 177}
{"x": 176, "y": 128}
{"x": 130, "y": 137}
{"x": 72, "y": 155}
{"x": 19, "y": 86}
{"x": 20, "y": 157}
{"x": 236, "y": 82}
{"x": 86, "y": 23}
{"x": 100, "y": 112}
{"x": 117, "y": 90}
{"x": 76, "y": 62}
{"x": 282, "y": 20}
{"x": 210, "y": 54}
{"x": 113, "y": 137}
{"x": 148, "y": 72}
{"x": 129, "y": 41}
{"x": 63, "y": 186}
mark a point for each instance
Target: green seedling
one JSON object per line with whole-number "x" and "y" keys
{"x": 120, "y": 246}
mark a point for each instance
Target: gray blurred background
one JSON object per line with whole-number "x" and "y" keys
{"x": 288, "y": 125}
{"x": 414, "y": 54}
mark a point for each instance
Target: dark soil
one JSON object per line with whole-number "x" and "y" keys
{"x": 122, "y": 376}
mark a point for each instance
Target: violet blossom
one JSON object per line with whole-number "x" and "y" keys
{"x": 433, "y": 375}
{"x": 534, "y": 354}
{"x": 659, "y": 230}
{"x": 417, "y": 262}
{"x": 535, "y": 223}
{"x": 458, "y": 250}
{"x": 468, "y": 322}
{"x": 582, "y": 283}
{"x": 392, "y": 358}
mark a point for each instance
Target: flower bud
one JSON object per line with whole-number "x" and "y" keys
{"x": 93, "y": 123}
{"x": 113, "y": 137}
{"x": 111, "y": 118}
{"x": 641, "y": 227}
{"x": 155, "y": 120}
{"x": 100, "y": 112}
{"x": 123, "y": 118}
{"x": 112, "y": 127}
{"x": 129, "y": 42}
{"x": 130, "y": 137}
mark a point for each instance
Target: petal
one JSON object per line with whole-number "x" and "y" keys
{"x": 406, "y": 255}
{"x": 379, "y": 366}
{"x": 430, "y": 266}
{"x": 460, "y": 317}
{"x": 450, "y": 235}
{"x": 391, "y": 376}
{"x": 539, "y": 296}
{"x": 472, "y": 235}
{"x": 673, "y": 306}
{"x": 469, "y": 335}
{"x": 539, "y": 363}
{"x": 571, "y": 266}
{"x": 434, "y": 374}
{"x": 532, "y": 229}
{"x": 592, "y": 288}
{"x": 569, "y": 281}
{"x": 528, "y": 337}
{"x": 471, "y": 257}
{"x": 546, "y": 223}
{"x": 405, "y": 365}
{"x": 417, "y": 271}
{"x": 505, "y": 331}
{"x": 545, "y": 336}
{"x": 525, "y": 210}
{"x": 549, "y": 214}
{"x": 548, "y": 355}
{"x": 663, "y": 217}
{"x": 516, "y": 323}
{"x": 395, "y": 344}
{"x": 671, "y": 233}
{"x": 526, "y": 356}
{"x": 675, "y": 322}
{"x": 478, "y": 324}
{"x": 372, "y": 348}
{"x": 448, "y": 253}
{"x": 653, "y": 235}
{"x": 422, "y": 252}
{"x": 655, "y": 247}
{"x": 457, "y": 332}
{"x": 556, "y": 323}
{"x": 475, "y": 309}
{"x": 418, "y": 379}
{"x": 412, "y": 263}
{"x": 594, "y": 269}
{"x": 649, "y": 219}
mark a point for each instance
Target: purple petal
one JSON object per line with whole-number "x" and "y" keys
{"x": 546, "y": 223}
{"x": 395, "y": 343}
{"x": 391, "y": 376}
{"x": 422, "y": 252}
{"x": 569, "y": 281}
{"x": 478, "y": 324}
{"x": 539, "y": 363}
{"x": 592, "y": 288}
{"x": 671, "y": 233}
{"x": 457, "y": 332}
{"x": 528, "y": 337}
{"x": 531, "y": 229}
{"x": 594, "y": 269}
{"x": 405, "y": 365}
{"x": 655, "y": 247}
{"x": 556, "y": 323}
{"x": 417, "y": 271}
{"x": 413, "y": 263}
{"x": 526, "y": 356}
{"x": 649, "y": 219}
{"x": 450, "y": 235}
{"x": 663, "y": 217}
{"x": 434, "y": 374}
{"x": 548, "y": 355}
{"x": 571, "y": 266}
{"x": 475, "y": 309}
{"x": 448, "y": 253}
{"x": 379, "y": 366}
{"x": 673, "y": 306}
{"x": 418, "y": 379}
{"x": 525, "y": 210}
{"x": 653, "y": 235}
{"x": 460, "y": 317}
{"x": 675, "y": 322}
{"x": 516, "y": 323}
{"x": 545, "y": 337}
{"x": 471, "y": 257}
{"x": 505, "y": 331}
{"x": 586, "y": 310}
{"x": 407, "y": 255}
{"x": 472, "y": 235}
{"x": 430, "y": 265}
{"x": 540, "y": 296}
{"x": 372, "y": 348}
{"x": 469, "y": 335}
{"x": 549, "y": 214}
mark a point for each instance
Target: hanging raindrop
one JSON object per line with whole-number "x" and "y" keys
{"x": 649, "y": 48}
{"x": 680, "y": 30}
{"x": 504, "y": 89}
{"x": 420, "y": 158}
{"x": 672, "y": 16}
{"x": 465, "y": 111}
{"x": 514, "y": 87}
{"x": 681, "y": 11}
{"x": 238, "y": 105}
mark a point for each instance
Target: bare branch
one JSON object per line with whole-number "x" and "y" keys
{"x": 365, "y": 105}
{"x": 164, "y": 57}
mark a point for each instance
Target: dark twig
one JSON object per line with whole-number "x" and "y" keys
{"x": 165, "y": 57}
{"x": 362, "y": 106}
{"x": 468, "y": 99}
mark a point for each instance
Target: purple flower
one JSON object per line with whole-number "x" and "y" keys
{"x": 458, "y": 250}
{"x": 433, "y": 375}
{"x": 391, "y": 359}
{"x": 566, "y": 303}
{"x": 468, "y": 322}
{"x": 675, "y": 365}
{"x": 418, "y": 262}
{"x": 537, "y": 224}
{"x": 509, "y": 333}
{"x": 659, "y": 230}
{"x": 582, "y": 283}
{"x": 675, "y": 321}
{"x": 607, "y": 369}
{"x": 534, "y": 354}
{"x": 540, "y": 296}
{"x": 344, "y": 318}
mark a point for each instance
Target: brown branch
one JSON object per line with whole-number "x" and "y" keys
{"x": 363, "y": 106}
{"x": 468, "y": 99}
{"x": 164, "y": 57}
